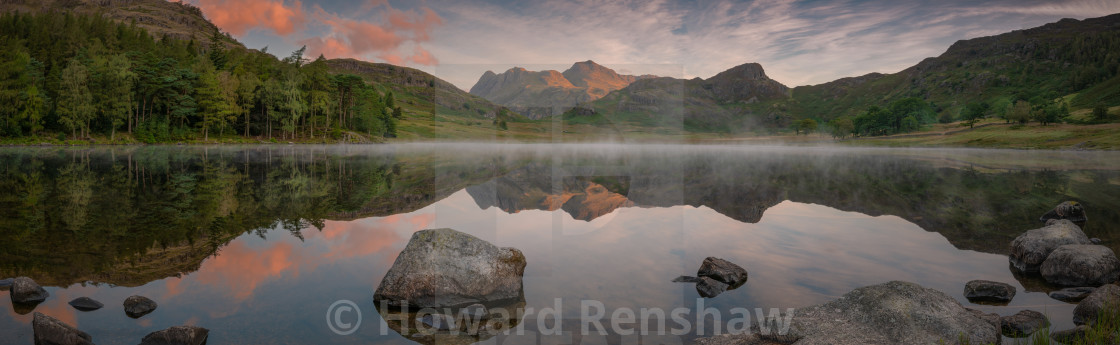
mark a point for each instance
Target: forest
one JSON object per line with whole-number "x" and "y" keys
{"x": 71, "y": 77}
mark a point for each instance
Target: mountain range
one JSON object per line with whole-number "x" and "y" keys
{"x": 538, "y": 94}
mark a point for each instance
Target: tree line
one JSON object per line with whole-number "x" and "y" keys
{"x": 73, "y": 76}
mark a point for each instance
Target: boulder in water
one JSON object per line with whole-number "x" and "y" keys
{"x": 1030, "y": 249}
{"x": 989, "y": 291}
{"x": 26, "y": 291}
{"x": 448, "y": 268}
{"x": 49, "y": 330}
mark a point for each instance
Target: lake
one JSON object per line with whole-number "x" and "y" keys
{"x": 256, "y": 243}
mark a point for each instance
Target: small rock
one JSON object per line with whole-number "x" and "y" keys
{"x": 6, "y": 282}
{"x": 475, "y": 312}
{"x": 988, "y": 291}
{"x": 178, "y": 335}
{"x": 25, "y": 290}
{"x": 686, "y": 279}
{"x": 1074, "y": 294}
{"x": 1023, "y": 323}
{"x": 137, "y": 306}
{"x": 723, "y": 271}
{"x": 49, "y": 330}
{"x": 1071, "y": 336}
{"x": 1081, "y": 265}
{"x": 990, "y": 318}
{"x": 86, "y": 304}
{"x": 708, "y": 287}
{"x": 438, "y": 322}
{"x": 1095, "y": 240}
{"x": 1069, "y": 210}
{"x": 1030, "y": 249}
{"x": 1086, "y": 312}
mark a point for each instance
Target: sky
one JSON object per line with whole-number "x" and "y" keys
{"x": 797, "y": 42}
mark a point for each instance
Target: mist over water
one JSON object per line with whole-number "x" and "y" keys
{"x": 256, "y": 242}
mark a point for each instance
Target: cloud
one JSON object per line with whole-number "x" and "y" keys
{"x": 384, "y": 39}
{"x": 240, "y": 16}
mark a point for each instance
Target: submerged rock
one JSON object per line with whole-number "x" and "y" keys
{"x": 51, "y": 331}
{"x": 178, "y": 335}
{"x": 137, "y": 306}
{"x": 26, "y": 291}
{"x": 1069, "y": 210}
{"x": 438, "y": 322}
{"x": 447, "y": 268}
{"x": 1081, "y": 265}
{"x": 475, "y": 312}
{"x": 1088, "y": 311}
{"x": 891, "y": 313}
{"x": 686, "y": 279}
{"x": 1074, "y": 294}
{"x": 723, "y": 271}
{"x": 85, "y": 304}
{"x": 1023, "y": 324}
{"x": 1030, "y": 249}
{"x": 988, "y": 291}
{"x": 708, "y": 287}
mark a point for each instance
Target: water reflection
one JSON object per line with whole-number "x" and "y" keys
{"x": 255, "y": 243}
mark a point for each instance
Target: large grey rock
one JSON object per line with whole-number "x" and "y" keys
{"x": 51, "y": 331}
{"x": 723, "y": 271}
{"x": 178, "y": 335}
{"x": 988, "y": 291}
{"x": 448, "y": 268}
{"x": 1087, "y": 312}
{"x": 137, "y": 306}
{"x": 708, "y": 287}
{"x": 86, "y": 304}
{"x": 1069, "y": 210}
{"x": 1030, "y": 249}
{"x": 1081, "y": 265}
{"x": 891, "y": 313}
{"x": 1023, "y": 324}
{"x": 25, "y": 290}
{"x": 990, "y": 318}
{"x": 1074, "y": 294}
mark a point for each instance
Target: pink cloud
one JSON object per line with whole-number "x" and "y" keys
{"x": 423, "y": 57}
{"x": 240, "y": 16}
{"x": 361, "y": 39}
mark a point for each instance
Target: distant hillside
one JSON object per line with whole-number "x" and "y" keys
{"x": 720, "y": 103}
{"x": 1046, "y": 62}
{"x": 545, "y": 93}
{"x": 177, "y": 20}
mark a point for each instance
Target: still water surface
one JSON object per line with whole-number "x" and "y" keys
{"x": 255, "y": 243}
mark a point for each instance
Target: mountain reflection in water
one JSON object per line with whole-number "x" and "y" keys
{"x": 255, "y": 243}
